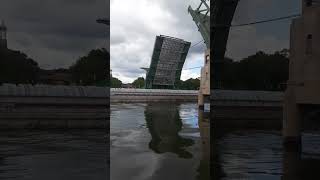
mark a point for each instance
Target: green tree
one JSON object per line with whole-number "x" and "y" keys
{"x": 92, "y": 69}
{"x": 190, "y": 84}
{"x": 16, "y": 67}
{"x": 260, "y": 71}
{"x": 138, "y": 83}
{"x": 115, "y": 83}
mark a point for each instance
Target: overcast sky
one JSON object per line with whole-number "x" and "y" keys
{"x": 268, "y": 37}
{"x": 135, "y": 24}
{"x": 134, "y": 27}
{"x": 55, "y": 32}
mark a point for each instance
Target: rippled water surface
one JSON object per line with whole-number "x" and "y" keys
{"x": 54, "y": 155}
{"x": 259, "y": 155}
{"x": 157, "y": 142}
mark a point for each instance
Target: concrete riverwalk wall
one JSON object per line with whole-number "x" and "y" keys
{"x": 120, "y": 95}
{"x": 44, "y": 106}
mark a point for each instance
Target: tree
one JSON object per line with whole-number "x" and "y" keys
{"x": 115, "y": 83}
{"x": 16, "y": 67}
{"x": 190, "y": 84}
{"x": 138, "y": 83}
{"x": 260, "y": 71}
{"x": 92, "y": 69}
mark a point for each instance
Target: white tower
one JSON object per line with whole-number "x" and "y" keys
{"x": 3, "y": 35}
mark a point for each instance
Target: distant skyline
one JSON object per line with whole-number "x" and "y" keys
{"x": 55, "y": 33}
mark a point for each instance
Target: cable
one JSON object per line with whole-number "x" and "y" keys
{"x": 192, "y": 68}
{"x": 196, "y": 44}
{"x": 268, "y": 20}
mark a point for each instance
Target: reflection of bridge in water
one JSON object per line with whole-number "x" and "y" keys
{"x": 164, "y": 124}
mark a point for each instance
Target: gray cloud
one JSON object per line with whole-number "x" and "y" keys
{"x": 268, "y": 37}
{"x": 134, "y": 26}
{"x": 55, "y": 33}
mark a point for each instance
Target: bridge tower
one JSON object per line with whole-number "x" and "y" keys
{"x": 201, "y": 17}
{"x": 303, "y": 86}
{"x": 3, "y": 36}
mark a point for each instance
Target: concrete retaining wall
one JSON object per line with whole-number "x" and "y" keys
{"x": 40, "y": 106}
{"x": 152, "y": 95}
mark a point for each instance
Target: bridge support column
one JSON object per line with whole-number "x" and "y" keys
{"x": 291, "y": 164}
{"x": 204, "y": 89}
{"x": 200, "y": 100}
{"x": 291, "y": 120}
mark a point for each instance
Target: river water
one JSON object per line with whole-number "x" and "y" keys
{"x": 54, "y": 155}
{"x": 259, "y": 155}
{"x": 159, "y": 142}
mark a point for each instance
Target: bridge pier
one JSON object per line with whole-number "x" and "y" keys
{"x": 303, "y": 86}
{"x": 204, "y": 89}
{"x": 291, "y": 120}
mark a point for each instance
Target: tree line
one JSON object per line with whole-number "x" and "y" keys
{"x": 190, "y": 84}
{"x": 92, "y": 69}
{"x": 260, "y": 71}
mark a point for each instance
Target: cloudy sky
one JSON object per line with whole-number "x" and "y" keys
{"x": 135, "y": 24}
{"x": 134, "y": 27}
{"x": 55, "y": 32}
{"x": 269, "y": 37}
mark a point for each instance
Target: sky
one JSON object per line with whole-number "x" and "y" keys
{"x": 268, "y": 37}
{"x": 135, "y": 24}
{"x": 134, "y": 27}
{"x": 55, "y": 33}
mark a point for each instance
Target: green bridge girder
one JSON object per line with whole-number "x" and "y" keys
{"x": 220, "y": 23}
{"x": 201, "y": 16}
{"x": 215, "y": 31}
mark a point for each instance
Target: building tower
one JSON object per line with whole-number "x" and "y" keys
{"x": 3, "y": 36}
{"x": 302, "y": 94}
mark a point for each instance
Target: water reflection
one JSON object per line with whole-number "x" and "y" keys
{"x": 38, "y": 155}
{"x": 159, "y": 141}
{"x": 164, "y": 124}
{"x": 260, "y": 155}
{"x": 300, "y": 166}
{"x": 204, "y": 126}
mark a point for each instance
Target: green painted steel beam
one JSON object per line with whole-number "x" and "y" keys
{"x": 201, "y": 16}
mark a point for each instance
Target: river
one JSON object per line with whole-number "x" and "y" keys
{"x": 259, "y": 155}
{"x": 54, "y": 155}
{"x": 159, "y": 141}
